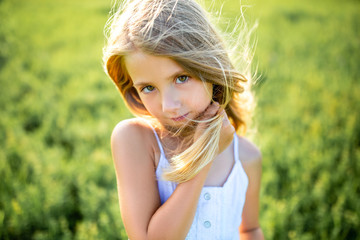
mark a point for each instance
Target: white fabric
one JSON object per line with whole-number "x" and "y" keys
{"x": 218, "y": 214}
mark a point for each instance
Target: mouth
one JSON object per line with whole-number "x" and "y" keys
{"x": 180, "y": 118}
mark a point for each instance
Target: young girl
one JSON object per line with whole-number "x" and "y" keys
{"x": 182, "y": 171}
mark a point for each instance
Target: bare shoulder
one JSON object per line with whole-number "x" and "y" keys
{"x": 130, "y": 135}
{"x": 251, "y": 160}
{"x": 130, "y": 126}
{"x": 249, "y": 153}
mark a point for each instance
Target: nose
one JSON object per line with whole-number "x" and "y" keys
{"x": 170, "y": 101}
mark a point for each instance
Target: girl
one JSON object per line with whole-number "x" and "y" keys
{"x": 181, "y": 170}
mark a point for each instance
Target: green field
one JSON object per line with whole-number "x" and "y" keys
{"x": 58, "y": 109}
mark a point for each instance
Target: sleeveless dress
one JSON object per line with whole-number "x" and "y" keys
{"x": 219, "y": 210}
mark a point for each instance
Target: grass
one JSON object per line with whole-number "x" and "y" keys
{"x": 59, "y": 108}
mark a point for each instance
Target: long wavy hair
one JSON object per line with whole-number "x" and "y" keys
{"x": 182, "y": 31}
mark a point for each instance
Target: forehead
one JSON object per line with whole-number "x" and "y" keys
{"x": 145, "y": 67}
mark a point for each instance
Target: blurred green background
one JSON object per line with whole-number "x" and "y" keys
{"x": 58, "y": 109}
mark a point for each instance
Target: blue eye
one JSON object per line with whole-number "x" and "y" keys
{"x": 148, "y": 89}
{"x": 182, "y": 79}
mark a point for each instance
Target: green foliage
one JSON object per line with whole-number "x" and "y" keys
{"x": 307, "y": 116}
{"x": 59, "y": 108}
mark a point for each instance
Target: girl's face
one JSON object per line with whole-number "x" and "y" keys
{"x": 168, "y": 93}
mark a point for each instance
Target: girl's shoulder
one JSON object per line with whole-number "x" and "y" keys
{"x": 134, "y": 135}
{"x": 132, "y": 128}
{"x": 248, "y": 151}
{"x": 249, "y": 155}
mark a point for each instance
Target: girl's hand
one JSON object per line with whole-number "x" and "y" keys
{"x": 227, "y": 130}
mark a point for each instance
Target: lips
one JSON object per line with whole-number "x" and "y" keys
{"x": 180, "y": 118}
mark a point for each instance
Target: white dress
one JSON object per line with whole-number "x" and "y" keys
{"x": 218, "y": 214}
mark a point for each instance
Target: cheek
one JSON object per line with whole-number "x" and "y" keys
{"x": 150, "y": 105}
{"x": 201, "y": 96}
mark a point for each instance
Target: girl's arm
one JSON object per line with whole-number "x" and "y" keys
{"x": 250, "y": 227}
{"x": 142, "y": 215}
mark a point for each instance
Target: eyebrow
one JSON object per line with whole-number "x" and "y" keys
{"x": 178, "y": 73}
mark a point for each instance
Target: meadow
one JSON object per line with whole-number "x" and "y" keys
{"x": 58, "y": 109}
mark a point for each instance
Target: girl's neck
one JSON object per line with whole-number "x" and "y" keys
{"x": 172, "y": 144}
{"x": 174, "y": 140}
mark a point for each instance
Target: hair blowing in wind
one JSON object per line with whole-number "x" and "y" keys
{"x": 182, "y": 31}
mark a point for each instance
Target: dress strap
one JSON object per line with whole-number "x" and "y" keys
{"x": 159, "y": 143}
{"x": 236, "y": 148}
{"x": 237, "y": 159}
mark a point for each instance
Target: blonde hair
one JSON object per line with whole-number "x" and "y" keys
{"x": 181, "y": 31}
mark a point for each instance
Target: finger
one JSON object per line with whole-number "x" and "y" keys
{"x": 226, "y": 120}
{"x": 211, "y": 110}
